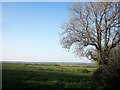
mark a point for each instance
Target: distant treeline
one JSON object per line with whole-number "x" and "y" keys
{"x": 53, "y": 63}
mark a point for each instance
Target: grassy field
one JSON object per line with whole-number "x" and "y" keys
{"x": 47, "y": 77}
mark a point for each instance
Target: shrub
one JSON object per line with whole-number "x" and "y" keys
{"x": 85, "y": 70}
{"x": 109, "y": 75}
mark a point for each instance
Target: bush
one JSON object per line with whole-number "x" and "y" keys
{"x": 85, "y": 71}
{"x": 109, "y": 75}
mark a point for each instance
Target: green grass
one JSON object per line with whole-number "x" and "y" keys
{"x": 30, "y": 67}
{"x": 46, "y": 77}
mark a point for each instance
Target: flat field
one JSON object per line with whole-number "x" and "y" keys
{"x": 47, "y": 77}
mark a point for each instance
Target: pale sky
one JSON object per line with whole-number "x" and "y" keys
{"x": 30, "y": 32}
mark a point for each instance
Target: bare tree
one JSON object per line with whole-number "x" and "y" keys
{"x": 92, "y": 24}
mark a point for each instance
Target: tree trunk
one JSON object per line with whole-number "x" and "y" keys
{"x": 104, "y": 57}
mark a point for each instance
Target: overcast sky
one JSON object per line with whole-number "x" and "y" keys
{"x": 30, "y": 32}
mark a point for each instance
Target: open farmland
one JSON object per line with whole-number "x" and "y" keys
{"x": 47, "y": 77}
